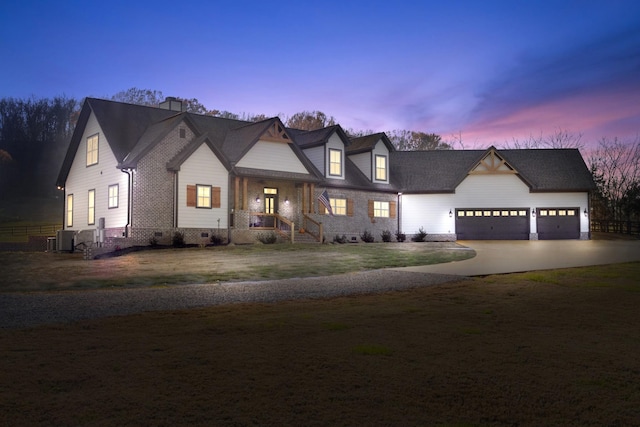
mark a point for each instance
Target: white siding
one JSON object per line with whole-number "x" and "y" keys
{"x": 379, "y": 150}
{"x": 276, "y": 156}
{"x": 202, "y": 167}
{"x": 431, "y": 211}
{"x": 363, "y": 162}
{"x": 81, "y": 179}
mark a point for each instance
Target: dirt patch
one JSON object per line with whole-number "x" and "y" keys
{"x": 545, "y": 348}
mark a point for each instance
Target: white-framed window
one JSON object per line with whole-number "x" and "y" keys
{"x": 91, "y": 208}
{"x": 69, "y": 210}
{"x": 92, "y": 150}
{"x": 381, "y": 209}
{"x": 203, "y": 196}
{"x": 335, "y": 162}
{"x": 338, "y": 206}
{"x": 381, "y": 168}
{"x": 113, "y": 196}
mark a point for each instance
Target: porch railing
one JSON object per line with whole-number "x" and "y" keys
{"x": 275, "y": 222}
{"x": 312, "y": 227}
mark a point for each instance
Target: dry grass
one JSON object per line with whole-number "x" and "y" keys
{"x": 33, "y": 271}
{"x": 545, "y": 348}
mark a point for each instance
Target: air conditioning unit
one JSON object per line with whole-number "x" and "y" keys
{"x": 64, "y": 240}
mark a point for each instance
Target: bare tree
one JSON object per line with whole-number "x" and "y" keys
{"x": 560, "y": 138}
{"x": 151, "y": 98}
{"x": 405, "y": 140}
{"x": 310, "y": 120}
{"x": 615, "y": 166}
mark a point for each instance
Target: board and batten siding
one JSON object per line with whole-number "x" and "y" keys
{"x": 431, "y": 211}
{"x": 100, "y": 176}
{"x": 275, "y": 156}
{"x": 204, "y": 168}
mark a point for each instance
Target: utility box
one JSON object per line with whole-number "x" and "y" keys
{"x": 64, "y": 240}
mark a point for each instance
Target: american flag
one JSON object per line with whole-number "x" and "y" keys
{"x": 324, "y": 199}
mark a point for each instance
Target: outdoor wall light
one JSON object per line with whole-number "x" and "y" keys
{"x": 533, "y": 212}
{"x": 450, "y": 213}
{"x": 286, "y": 201}
{"x": 257, "y": 199}
{"x": 586, "y": 214}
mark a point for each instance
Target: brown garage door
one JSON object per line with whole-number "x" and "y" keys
{"x": 492, "y": 224}
{"x": 558, "y": 223}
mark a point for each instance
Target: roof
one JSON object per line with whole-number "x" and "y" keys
{"x": 133, "y": 130}
{"x": 366, "y": 143}
{"x": 441, "y": 171}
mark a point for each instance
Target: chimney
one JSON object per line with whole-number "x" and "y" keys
{"x": 171, "y": 103}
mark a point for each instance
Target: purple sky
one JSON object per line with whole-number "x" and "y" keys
{"x": 491, "y": 71}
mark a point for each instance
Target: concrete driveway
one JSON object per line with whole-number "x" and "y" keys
{"x": 501, "y": 256}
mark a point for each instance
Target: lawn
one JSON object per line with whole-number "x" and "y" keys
{"x": 553, "y": 347}
{"x": 34, "y": 271}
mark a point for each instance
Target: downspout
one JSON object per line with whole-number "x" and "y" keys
{"x": 399, "y": 212}
{"x": 230, "y": 197}
{"x": 130, "y": 201}
{"x": 175, "y": 199}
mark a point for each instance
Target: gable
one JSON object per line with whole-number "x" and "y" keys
{"x": 492, "y": 163}
{"x": 276, "y": 133}
{"x": 270, "y": 155}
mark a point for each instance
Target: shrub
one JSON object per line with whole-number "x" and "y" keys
{"x": 367, "y": 237}
{"x": 178, "y": 240}
{"x": 216, "y": 239}
{"x": 153, "y": 241}
{"x": 386, "y": 236}
{"x": 419, "y": 236}
{"x": 339, "y": 239}
{"x": 268, "y": 238}
{"x": 400, "y": 237}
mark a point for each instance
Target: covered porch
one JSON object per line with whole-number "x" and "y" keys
{"x": 281, "y": 206}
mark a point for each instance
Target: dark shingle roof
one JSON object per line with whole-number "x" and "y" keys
{"x": 441, "y": 171}
{"x": 368, "y": 142}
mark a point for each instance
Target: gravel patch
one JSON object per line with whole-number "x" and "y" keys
{"x": 23, "y": 310}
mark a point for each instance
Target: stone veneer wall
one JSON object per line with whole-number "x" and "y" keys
{"x": 354, "y": 226}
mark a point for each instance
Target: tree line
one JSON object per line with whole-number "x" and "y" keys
{"x": 35, "y": 134}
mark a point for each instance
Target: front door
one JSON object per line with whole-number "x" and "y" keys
{"x": 270, "y": 206}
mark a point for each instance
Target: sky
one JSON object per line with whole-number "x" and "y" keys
{"x": 486, "y": 72}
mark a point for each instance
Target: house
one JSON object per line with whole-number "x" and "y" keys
{"x": 133, "y": 174}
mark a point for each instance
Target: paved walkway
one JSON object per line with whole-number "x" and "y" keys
{"x": 497, "y": 257}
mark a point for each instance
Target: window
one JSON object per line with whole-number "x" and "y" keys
{"x": 70, "y": 210}
{"x": 113, "y": 196}
{"x": 335, "y": 162}
{"x": 92, "y": 150}
{"x": 203, "y": 196}
{"x": 381, "y": 168}
{"x": 381, "y": 209}
{"x": 91, "y": 208}
{"x": 338, "y": 206}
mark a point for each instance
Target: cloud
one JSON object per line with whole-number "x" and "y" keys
{"x": 594, "y": 84}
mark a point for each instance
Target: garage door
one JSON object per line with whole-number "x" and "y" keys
{"x": 558, "y": 223}
{"x": 492, "y": 224}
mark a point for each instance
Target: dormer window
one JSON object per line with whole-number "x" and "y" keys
{"x": 335, "y": 162}
{"x": 381, "y": 168}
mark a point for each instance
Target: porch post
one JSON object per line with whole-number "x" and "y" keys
{"x": 245, "y": 188}
{"x": 312, "y": 191}
{"x": 304, "y": 198}
{"x": 236, "y": 203}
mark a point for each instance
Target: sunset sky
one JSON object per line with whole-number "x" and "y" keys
{"x": 490, "y": 71}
